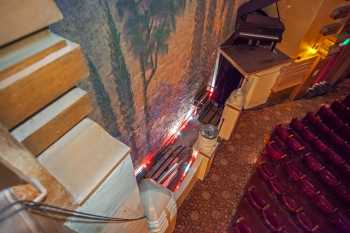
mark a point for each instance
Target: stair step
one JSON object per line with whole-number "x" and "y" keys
{"x": 48, "y": 125}
{"x": 117, "y": 196}
{"x": 31, "y": 89}
{"x": 83, "y": 158}
{"x": 27, "y": 51}
{"x": 19, "y": 18}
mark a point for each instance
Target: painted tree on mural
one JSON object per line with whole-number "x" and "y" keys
{"x": 102, "y": 99}
{"x": 147, "y": 27}
{"x": 206, "y": 40}
{"x": 121, "y": 75}
{"x": 193, "y": 71}
{"x": 229, "y": 17}
{"x": 74, "y": 28}
{"x": 109, "y": 31}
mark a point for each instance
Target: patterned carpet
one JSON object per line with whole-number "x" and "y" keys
{"x": 211, "y": 204}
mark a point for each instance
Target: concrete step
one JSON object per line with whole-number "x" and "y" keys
{"x": 83, "y": 158}
{"x": 31, "y": 89}
{"x": 19, "y": 18}
{"x": 47, "y": 126}
{"x": 97, "y": 170}
{"x": 17, "y": 56}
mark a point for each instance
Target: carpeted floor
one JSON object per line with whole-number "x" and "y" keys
{"x": 211, "y": 204}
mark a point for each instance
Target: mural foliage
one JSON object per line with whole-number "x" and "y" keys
{"x": 147, "y": 60}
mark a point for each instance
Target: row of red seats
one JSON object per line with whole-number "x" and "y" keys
{"x": 342, "y": 111}
{"x": 305, "y": 183}
{"x": 260, "y": 203}
{"x": 334, "y": 139}
{"x": 283, "y": 194}
{"x": 315, "y": 165}
{"x": 313, "y": 142}
{"x": 334, "y": 122}
{"x": 318, "y": 198}
{"x": 319, "y": 146}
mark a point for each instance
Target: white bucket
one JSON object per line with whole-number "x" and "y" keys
{"x": 207, "y": 139}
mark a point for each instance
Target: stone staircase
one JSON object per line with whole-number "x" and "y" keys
{"x": 44, "y": 109}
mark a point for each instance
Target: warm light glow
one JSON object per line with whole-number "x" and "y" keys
{"x": 195, "y": 154}
{"x": 308, "y": 51}
{"x": 311, "y": 50}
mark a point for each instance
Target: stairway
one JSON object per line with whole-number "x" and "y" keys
{"x": 44, "y": 109}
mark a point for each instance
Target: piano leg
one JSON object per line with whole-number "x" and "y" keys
{"x": 273, "y": 46}
{"x": 250, "y": 42}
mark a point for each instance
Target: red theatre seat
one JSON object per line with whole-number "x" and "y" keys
{"x": 282, "y": 132}
{"x": 323, "y": 204}
{"x": 291, "y": 204}
{"x": 320, "y": 146}
{"x": 266, "y": 171}
{"x": 330, "y": 118}
{"x": 277, "y": 187}
{"x": 308, "y": 188}
{"x": 294, "y": 171}
{"x": 256, "y": 199}
{"x": 329, "y": 178}
{"x": 294, "y": 144}
{"x": 306, "y": 223}
{"x": 241, "y": 226}
{"x": 272, "y": 220}
{"x": 273, "y": 152}
{"x": 342, "y": 111}
{"x": 308, "y": 135}
{"x": 334, "y": 157}
{"x": 313, "y": 163}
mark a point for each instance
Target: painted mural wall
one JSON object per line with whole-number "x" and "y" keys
{"x": 147, "y": 60}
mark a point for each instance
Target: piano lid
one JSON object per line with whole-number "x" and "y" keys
{"x": 253, "y": 5}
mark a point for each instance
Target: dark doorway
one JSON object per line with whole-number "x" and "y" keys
{"x": 228, "y": 79}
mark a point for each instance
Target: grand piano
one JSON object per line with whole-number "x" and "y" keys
{"x": 255, "y": 27}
